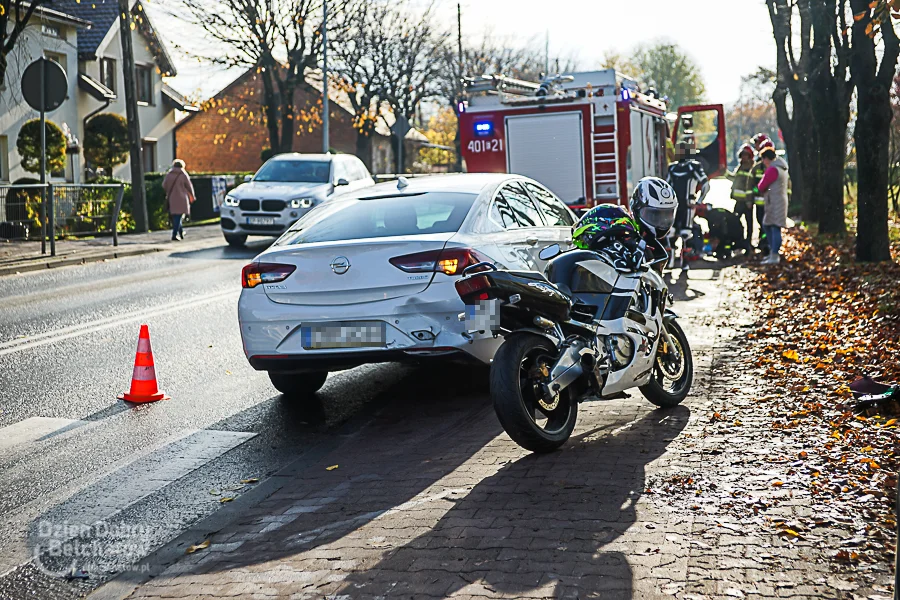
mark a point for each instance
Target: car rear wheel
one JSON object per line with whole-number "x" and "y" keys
{"x": 298, "y": 385}
{"x": 236, "y": 240}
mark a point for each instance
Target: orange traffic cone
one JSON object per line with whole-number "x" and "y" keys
{"x": 143, "y": 383}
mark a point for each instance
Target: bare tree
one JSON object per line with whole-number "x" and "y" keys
{"x": 280, "y": 38}
{"x": 792, "y": 101}
{"x": 14, "y": 18}
{"x": 354, "y": 71}
{"x": 409, "y": 58}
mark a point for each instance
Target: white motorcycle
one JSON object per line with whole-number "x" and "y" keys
{"x": 594, "y": 324}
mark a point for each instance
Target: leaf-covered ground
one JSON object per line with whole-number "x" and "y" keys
{"x": 828, "y": 321}
{"x": 806, "y": 483}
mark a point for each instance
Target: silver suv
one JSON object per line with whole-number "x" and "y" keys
{"x": 284, "y": 189}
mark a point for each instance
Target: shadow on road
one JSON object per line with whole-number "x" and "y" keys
{"x": 542, "y": 520}
{"x": 226, "y": 252}
{"x": 539, "y": 521}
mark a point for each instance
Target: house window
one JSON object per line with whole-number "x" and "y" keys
{"x": 148, "y": 155}
{"x": 52, "y": 31}
{"x": 59, "y": 59}
{"x": 4, "y": 158}
{"x": 144, "y": 84}
{"x": 108, "y": 73}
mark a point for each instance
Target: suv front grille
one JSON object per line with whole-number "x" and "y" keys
{"x": 249, "y": 204}
{"x": 273, "y": 205}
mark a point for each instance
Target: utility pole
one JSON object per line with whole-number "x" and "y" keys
{"x": 138, "y": 197}
{"x": 547, "y": 55}
{"x": 459, "y": 49}
{"x": 325, "y": 144}
{"x": 457, "y": 142}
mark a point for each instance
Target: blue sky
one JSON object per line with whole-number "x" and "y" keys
{"x": 726, "y": 38}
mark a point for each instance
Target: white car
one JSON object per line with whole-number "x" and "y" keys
{"x": 369, "y": 276}
{"x": 284, "y": 189}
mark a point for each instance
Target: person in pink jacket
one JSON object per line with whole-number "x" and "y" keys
{"x": 774, "y": 188}
{"x": 179, "y": 196}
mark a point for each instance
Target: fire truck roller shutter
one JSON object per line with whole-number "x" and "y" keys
{"x": 550, "y": 149}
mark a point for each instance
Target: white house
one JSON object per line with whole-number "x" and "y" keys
{"x": 83, "y": 36}
{"x": 53, "y": 34}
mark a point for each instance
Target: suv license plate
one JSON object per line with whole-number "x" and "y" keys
{"x": 260, "y": 220}
{"x": 344, "y": 335}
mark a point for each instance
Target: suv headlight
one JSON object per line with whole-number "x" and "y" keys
{"x": 302, "y": 203}
{"x": 231, "y": 200}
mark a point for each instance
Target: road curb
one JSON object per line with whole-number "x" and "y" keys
{"x": 68, "y": 262}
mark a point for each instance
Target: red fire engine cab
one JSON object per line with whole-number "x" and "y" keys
{"x": 589, "y": 137}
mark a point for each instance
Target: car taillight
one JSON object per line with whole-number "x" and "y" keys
{"x": 256, "y": 273}
{"x": 473, "y": 286}
{"x": 450, "y": 261}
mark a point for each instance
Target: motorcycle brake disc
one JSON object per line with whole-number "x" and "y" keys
{"x": 665, "y": 363}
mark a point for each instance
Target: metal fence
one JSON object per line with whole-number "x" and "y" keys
{"x": 51, "y": 211}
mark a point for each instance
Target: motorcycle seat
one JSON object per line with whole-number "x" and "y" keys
{"x": 529, "y": 275}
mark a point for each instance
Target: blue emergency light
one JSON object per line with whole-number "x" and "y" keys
{"x": 484, "y": 128}
{"x": 626, "y": 94}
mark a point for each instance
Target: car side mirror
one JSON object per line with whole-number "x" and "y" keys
{"x": 549, "y": 252}
{"x": 341, "y": 182}
{"x": 248, "y": 178}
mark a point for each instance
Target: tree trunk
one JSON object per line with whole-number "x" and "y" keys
{"x": 831, "y": 117}
{"x": 271, "y": 105}
{"x": 807, "y": 150}
{"x": 138, "y": 192}
{"x": 872, "y": 141}
{"x": 364, "y": 147}
{"x": 873, "y": 91}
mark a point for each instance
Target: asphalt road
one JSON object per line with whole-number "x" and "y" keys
{"x": 72, "y": 455}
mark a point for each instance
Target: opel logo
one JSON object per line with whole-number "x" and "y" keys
{"x": 340, "y": 265}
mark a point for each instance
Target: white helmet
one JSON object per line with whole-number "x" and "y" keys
{"x": 654, "y": 204}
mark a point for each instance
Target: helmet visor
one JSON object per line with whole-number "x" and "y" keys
{"x": 660, "y": 219}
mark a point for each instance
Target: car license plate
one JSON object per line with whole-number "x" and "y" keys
{"x": 363, "y": 334}
{"x": 260, "y": 220}
{"x": 483, "y": 319}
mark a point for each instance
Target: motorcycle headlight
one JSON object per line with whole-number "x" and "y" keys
{"x": 231, "y": 200}
{"x": 302, "y": 203}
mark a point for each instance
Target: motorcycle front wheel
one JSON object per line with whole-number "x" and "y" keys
{"x": 673, "y": 372}
{"x": 519, "y": 368}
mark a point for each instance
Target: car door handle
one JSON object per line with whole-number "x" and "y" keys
{"x": 531, "y": 241}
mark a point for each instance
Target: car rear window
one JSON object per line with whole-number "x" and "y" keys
{"x": 386, "y": 216}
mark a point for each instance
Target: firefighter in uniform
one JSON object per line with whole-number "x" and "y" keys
{"x": 742, "y": 192}
{"x": 687, "y": 176}
{"x": 760, "y": 141}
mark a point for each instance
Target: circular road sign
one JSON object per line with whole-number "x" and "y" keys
{"x": 55, "y": 86}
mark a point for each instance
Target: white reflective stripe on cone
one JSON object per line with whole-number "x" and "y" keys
{"x": 143, "y": 346}
{"x": 144, "y": 373}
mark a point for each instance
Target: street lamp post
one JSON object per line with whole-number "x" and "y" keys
{"x": 325, "y": 144}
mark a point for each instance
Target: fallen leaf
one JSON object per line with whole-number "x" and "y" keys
{"x": 331, "y": 468}
{"x": 251, "y": 480}
{"x": 226, "y": 499}
{"x": 201, "y": 546}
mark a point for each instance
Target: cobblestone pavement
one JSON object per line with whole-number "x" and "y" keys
{"x": 433, "y": 500}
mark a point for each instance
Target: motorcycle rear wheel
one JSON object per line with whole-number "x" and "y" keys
{"x": 516, "y": 373}
{"x": 664, "y": 390}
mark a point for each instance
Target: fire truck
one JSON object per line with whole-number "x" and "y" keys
{"x": 589, "y": 137}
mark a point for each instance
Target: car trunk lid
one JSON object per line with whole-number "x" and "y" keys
{"x": 350, "y": 272}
